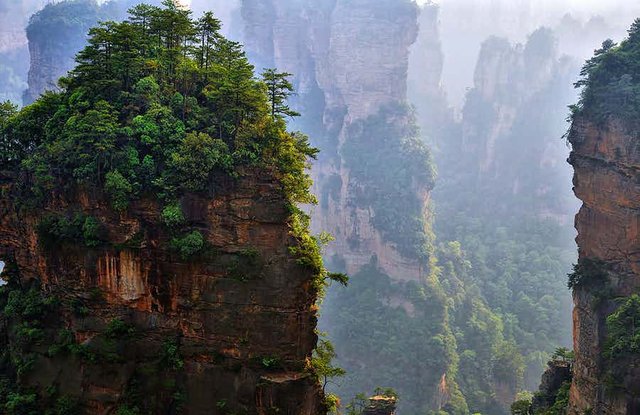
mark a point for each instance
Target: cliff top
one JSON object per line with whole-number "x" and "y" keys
{"x": 610, "y": 87}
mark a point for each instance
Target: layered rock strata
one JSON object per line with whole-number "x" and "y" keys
{"x": 131, "y": 324}
{"x": 606, "y": 160}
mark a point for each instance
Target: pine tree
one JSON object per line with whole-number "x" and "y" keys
{"x": 279, "y": 89}
{"x": 209, "y": 32}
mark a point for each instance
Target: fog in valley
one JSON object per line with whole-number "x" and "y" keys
{"x": 442, "y": 172}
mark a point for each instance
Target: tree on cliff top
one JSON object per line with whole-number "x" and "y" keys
{"x": 609, "y": 82}
{"x": 162, "y": 102}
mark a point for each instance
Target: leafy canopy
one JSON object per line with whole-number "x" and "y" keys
{"x": 160, "y": 103}
{"x": 609, "y": 81}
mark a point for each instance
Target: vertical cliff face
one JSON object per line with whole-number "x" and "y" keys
{"x": 335, "y": 52}
{"x": 605, "y": 281}
{"x": 426, "y": 90}
{"x": 498, "y": 123}
{"x": 133, "y": 325}
{"x": 56, "y": 34}
{"x": 14, "y": 55}
{"x": 373, "y": 180}
{"x": 605, "y": 159}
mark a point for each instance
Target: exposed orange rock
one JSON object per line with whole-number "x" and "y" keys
{"x": 606, "y": 160}
{"x": 244, "y": 344}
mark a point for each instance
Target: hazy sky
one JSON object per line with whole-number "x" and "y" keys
{"x": 465, "y": 24}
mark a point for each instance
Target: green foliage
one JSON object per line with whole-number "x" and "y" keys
{"x": 188, "y": 245}
{"x": 118, "y": 328}
{"x": 279, "y": 89}
{"x": 119, "y": 190}
{"x": 172, "y": 216}
{"x": 159, "y": 103}
{"x": 65, "y": 405}
{"x": 521, "y": 407}
{"x": 126, "y": 410}
{"x": 623, "y": 330}
{"x": 92, "y": 231}
{"x": 390, "y": 164}
{"x": 197, "y": 156}
{"x": 72, "y": 228}
{"x": 54, "y": 228}
{"x": 564, "y": 354}
{"x": 357, "y": 404}
{"x": 170, "y": 357}
{"x": 322, "y": 363}
{"x": 386, "y": 392}
{"x": 561, "y": 403}
{"x": 339, "y": 277}
{"x": 270, "y": 362}
{"x": 21, "y": 404}
{"x": 589, "y": 274}
{"x": 7, "y": 110}
{"x": 419, "y": 342}
{"x": 609, "y": 87}
{"x": 29, "y": 305}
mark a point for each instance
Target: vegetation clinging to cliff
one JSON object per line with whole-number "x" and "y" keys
{"x": 609, "y": 81}
{"x": 392, "y": 167}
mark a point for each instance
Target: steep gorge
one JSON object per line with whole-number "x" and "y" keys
{"x": 503, "y": 208}
{"x": 350, "y": 64}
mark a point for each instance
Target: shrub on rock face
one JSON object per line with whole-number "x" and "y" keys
{"x": 588, "y": 273}
{"x": 172, "y": 216}
{"x": 623, "y": 327}
{"x": 119, "y": 189}
{"x": 189, "y": 245}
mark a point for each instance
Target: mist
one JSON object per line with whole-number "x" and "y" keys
{"x": 442, "y": 186}
{"x": 581, "y": 26}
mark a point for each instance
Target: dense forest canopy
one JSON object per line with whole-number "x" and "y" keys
{"x": 157, "y": 104}
{"x": 608, "y": 81}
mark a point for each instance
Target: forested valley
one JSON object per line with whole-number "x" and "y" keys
{"x": 423, "y": 153}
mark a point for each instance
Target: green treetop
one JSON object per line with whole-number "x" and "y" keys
{"x": 610, "y": 87}
{"x": 159, "y": 103}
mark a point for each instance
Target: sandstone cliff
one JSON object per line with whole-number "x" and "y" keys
{"x": 129, "y": 324}
{"x": 350, "y": 65}
{"x": 507, "y": 125}
{"x": 355, "y": 56}
{"x": 606, "y": 161}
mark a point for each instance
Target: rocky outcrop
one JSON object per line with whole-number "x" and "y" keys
{"x": 606, "y": 160}
{"x": 380, "y": 405}
{"x": 557, "y": 374}
{"x": 498, "y": 124}
{"x": 136, "y": 325}
{"x": 56, "y": 33}
{"x": 14, "y": 54}
{"x": 426, "y": 90}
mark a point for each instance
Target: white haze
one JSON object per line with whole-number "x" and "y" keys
{"x": 465, "y": 24}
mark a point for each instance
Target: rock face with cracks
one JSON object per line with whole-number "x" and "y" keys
{"x": 131, "y": 324}
{"x": 606, "y": 159}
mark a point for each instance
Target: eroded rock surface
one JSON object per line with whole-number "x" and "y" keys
{"x": 218, "y": 333}
{"x": 606, "y": 159}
